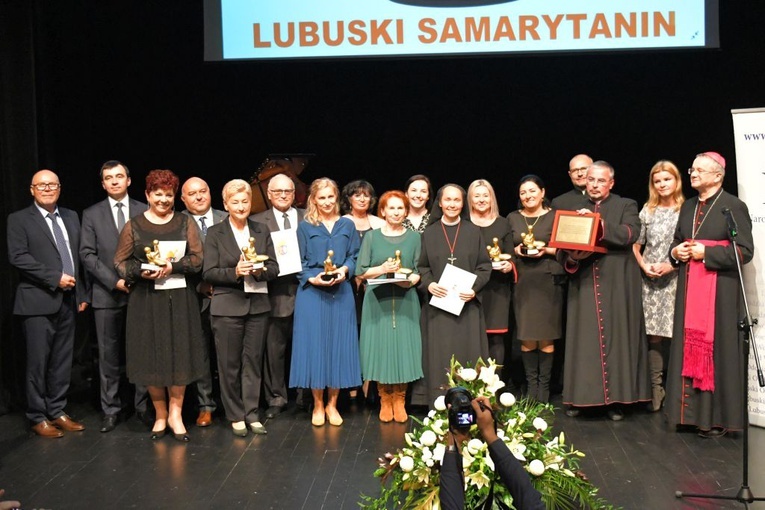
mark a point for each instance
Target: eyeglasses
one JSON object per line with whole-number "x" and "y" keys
{"x": 578, "y": 170}
{"x": 42, "y": 186}
{"x": 701, "y": 171}
{"x": 282, "y": 191}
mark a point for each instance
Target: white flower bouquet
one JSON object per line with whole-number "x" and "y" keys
{"x": 410, "y": 476}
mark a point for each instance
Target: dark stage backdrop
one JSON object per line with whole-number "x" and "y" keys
{"x": 84, "y": 81}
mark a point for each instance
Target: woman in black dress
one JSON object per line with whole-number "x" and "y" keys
{"x": 164, "y": 346}
{"x": 538, "y": 299}
{"x": 496, "y": 296}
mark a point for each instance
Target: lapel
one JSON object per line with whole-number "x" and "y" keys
{"x": 271, "y": 221}
{"x": 42, "y": 223}
{"x": 228, "y": 241}
{"x": 109, "y": 217}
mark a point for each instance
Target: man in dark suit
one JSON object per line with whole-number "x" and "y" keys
{"x": 281, "y": 291}
{"x": 574, "y": 199}
{"x": 101, "y": 227}
{"x": 195, "y": 195}
{"x": 42, "y": 245}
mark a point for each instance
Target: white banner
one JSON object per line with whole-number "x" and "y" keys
{"x": 749, "y": 133}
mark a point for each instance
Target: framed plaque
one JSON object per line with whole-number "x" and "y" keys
{"x": 572, "y": 231}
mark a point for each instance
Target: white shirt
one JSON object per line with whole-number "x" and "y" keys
{"x": 208, "y": 216}
{"x": 60, "y": 222}
{"x": 125, "y": 208}
{"x": 291, "y": 214}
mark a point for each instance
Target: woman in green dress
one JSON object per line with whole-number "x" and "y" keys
{"x": 391, "y": 345}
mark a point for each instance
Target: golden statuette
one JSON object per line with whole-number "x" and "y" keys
{"x": 401, "y": 270}
{"x": 251, "y": 255}
{"x": 153, "y": 256}
{"x": 329, "y": 268}
{"x": 530, "y": 245}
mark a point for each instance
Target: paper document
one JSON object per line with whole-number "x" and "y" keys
{"x": 456, "y": 280}
{"x": 287, "y": 251}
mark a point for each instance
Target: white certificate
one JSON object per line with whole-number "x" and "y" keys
{"x": 172, "y": 251}
{"x": 396, "y": 278}
{"x": 253, "y": 287}
{"x": 455, "y": 280}
{"x": 287, "y": 251}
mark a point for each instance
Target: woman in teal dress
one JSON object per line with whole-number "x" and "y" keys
{"x": 391, "y": 345}
{"x": 325, "y": 348}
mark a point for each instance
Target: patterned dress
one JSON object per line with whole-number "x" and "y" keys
{"x": 656, "y": 233}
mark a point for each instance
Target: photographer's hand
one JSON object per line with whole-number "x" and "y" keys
{"x": 484, "y": 419}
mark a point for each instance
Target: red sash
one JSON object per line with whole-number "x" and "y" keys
{"x": 699, "y": 325}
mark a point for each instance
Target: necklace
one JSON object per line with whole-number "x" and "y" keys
{"x": 695, "y": 229}
{"x": 535, "y": 221}
{"x": 451, "y": 246}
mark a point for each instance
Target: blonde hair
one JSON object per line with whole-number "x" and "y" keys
{"x": 664, "y": 165}
{"x": 235, "y": 186}
{"x": 311, "y": 211}
{"x": 494, "y": 208}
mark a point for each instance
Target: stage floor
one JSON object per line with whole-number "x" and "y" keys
{"x": 637, "y": 463}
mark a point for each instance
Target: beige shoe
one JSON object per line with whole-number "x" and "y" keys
{"x": 334, "y": 417}
{"x": 317, "y": 418}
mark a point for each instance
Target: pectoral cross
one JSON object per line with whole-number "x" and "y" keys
{"x": 451, "y": 259}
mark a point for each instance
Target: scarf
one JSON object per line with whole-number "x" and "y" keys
{"x": 699, "y": 324}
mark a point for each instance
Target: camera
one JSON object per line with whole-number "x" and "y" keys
{"x": 461, "y": 413}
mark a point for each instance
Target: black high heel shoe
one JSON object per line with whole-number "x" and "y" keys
{"x": 158, "y": 434}
{"x": 183, "y": 438}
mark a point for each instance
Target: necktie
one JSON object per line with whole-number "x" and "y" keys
{"x": 120, "y": 216}
{"x": 287, "y": 224}
{"x": 202, "y": 224}
{"x": 58, "y": 235}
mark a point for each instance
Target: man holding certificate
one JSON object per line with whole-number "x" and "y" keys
{"x": 282, "y": 221}
{"x": 452, "y": 321}
{"x": 606, "y": 349}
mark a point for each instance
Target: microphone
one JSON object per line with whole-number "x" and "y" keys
{"x": 731, "y": 221}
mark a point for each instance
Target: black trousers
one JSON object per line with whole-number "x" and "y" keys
{"x": 275, "y": 374}
{"x": 240, "y": 342}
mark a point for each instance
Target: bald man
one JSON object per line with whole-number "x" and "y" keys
{"x": 195, "y": 194}
{"x": 574, "y": 199}
{"x": 43, "y": 241}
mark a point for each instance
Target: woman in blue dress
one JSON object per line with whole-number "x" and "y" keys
{"x": 325, "y": 350}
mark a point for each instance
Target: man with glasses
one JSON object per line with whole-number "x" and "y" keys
{"x": 195, "y": 194}
{"x": 42, "y": 245}
{"x": 606, "y": 347}
{"x": 101, "y": 227}
{"x": 281, "y": 216}
{"x": 707, "y": 361}
{"x": 577, "y": 171}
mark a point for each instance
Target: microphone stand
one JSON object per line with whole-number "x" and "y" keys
{"x": 746, "y": 326}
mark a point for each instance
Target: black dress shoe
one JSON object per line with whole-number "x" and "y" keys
{"x": 616, "y": 414}
{"x": 145, "y": 417}
{"x": 108, "y": 423}
{"x": 158, "y": 434}
{"x": 573, "y": 412}
{"x": 274, "y": 411}
{"x": 713, "y": 432}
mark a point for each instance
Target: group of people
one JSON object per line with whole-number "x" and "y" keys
{"x": 387, "y": 298}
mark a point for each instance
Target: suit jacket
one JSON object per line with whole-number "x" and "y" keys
{"x": 32, "y": 251}
{"x": 196, "y": 280}
{"x": 218, "y": 216}
{"x": 283, "y": 289}
{"x": 222, "y": 253}
{"x": 98, "y": 243}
